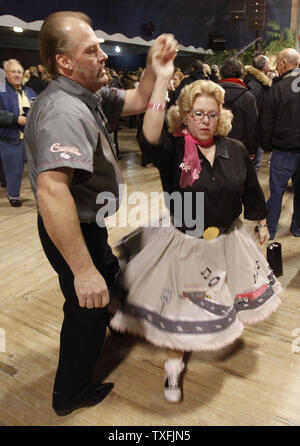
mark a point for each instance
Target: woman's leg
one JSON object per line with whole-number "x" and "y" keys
{"x": 173, "y": 367}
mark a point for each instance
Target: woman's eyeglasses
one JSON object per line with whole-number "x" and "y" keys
{"x": 198, "y": 115}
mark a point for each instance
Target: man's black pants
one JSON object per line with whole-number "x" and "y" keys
{"x": 83, "y": 330}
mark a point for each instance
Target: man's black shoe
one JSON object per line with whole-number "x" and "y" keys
{"x": 94, "y": 395}
{"x": 15, "y": 202}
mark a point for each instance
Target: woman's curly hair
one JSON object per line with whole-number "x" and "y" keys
{"x": 176, "y": 115}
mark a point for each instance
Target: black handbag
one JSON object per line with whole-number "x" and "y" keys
{"x": 274, "y": 258}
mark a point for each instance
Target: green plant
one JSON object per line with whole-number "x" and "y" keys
{"x": 277, "y": 39}
{"x": 217, "y": 58}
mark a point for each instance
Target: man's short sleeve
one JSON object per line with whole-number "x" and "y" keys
{"x": 66, "y": 140}
{"x": 113, "y": 101}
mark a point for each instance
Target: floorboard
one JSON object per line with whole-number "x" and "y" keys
{"x": 255, "y": 382}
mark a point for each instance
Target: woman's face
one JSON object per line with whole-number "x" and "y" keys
{"x": 203, "y": 128}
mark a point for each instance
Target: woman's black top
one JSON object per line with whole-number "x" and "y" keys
{"x": 229, "y": 185}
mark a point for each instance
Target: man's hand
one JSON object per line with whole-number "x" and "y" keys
{"x": 91, "y": 289}
{"x": 22, "y": 120}
{"x": 162, "y": 54}
{"x": 160, "y": 63}
{"x": 163, "y": 66}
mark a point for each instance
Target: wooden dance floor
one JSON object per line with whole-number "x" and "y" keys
{"x": 254, "y": 382}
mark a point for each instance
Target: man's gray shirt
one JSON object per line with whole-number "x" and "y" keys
{"x": 68, "y": 126}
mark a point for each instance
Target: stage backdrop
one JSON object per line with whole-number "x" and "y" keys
{"x": 191, "y": 21}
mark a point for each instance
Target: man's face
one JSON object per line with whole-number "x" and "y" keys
{"x": 266, "y": 68}
{"x": 14, "y": 74}
{"x": 87, "y": 58}
{"x": 280, "y": 66}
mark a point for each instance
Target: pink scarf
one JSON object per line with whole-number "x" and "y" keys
{"x": 191, "y": 165}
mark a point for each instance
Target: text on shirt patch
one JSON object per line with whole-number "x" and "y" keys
{"x": 65, "y": 150}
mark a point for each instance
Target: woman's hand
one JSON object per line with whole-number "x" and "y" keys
{"x": 162, "y": 54}
{"x": 263, "y": 232}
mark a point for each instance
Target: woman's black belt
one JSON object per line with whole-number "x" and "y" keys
{"x": 210, "y": 232}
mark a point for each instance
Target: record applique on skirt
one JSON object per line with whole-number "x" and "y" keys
{"x": 188, "y": 293}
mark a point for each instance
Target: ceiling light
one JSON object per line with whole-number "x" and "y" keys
{"x": 101, "y": 40}
{"x": 17, "y": 29}
{"x": 117, "y": 49}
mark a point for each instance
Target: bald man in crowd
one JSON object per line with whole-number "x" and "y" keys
{"x": 280, "y": 134}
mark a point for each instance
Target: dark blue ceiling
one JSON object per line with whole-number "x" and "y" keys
{"x": 191, "y": 21}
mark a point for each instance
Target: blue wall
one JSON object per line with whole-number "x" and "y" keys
{"x": 191, "y": 21}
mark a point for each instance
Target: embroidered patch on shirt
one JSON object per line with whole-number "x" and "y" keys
{"x": 65, "y": 150}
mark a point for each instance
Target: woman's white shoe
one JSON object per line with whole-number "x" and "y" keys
{"x": 172, "y": 388}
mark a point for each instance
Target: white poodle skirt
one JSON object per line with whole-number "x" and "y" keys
{"x": 192, "y": 294}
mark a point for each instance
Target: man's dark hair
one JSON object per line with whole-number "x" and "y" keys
{"x": 232, "y": 68}
{"x": 197, "y": 65}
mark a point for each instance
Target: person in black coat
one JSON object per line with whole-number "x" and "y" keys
{"x": 242, "y": 103}
{"x": 194, "y": 156}
{"x": 196, "y": 74}
{"x": 258, "y": 83}
{"x": 215, "y": 73}
{"x": 36, "y": 81}
{"x": 257, "y": 80}
{"x": 280, "y": 134}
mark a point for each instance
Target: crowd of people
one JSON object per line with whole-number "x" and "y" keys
{"x": 265, "y": 108}
{"x": 185, "y": 286}
{"x": 240, "y": 83}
